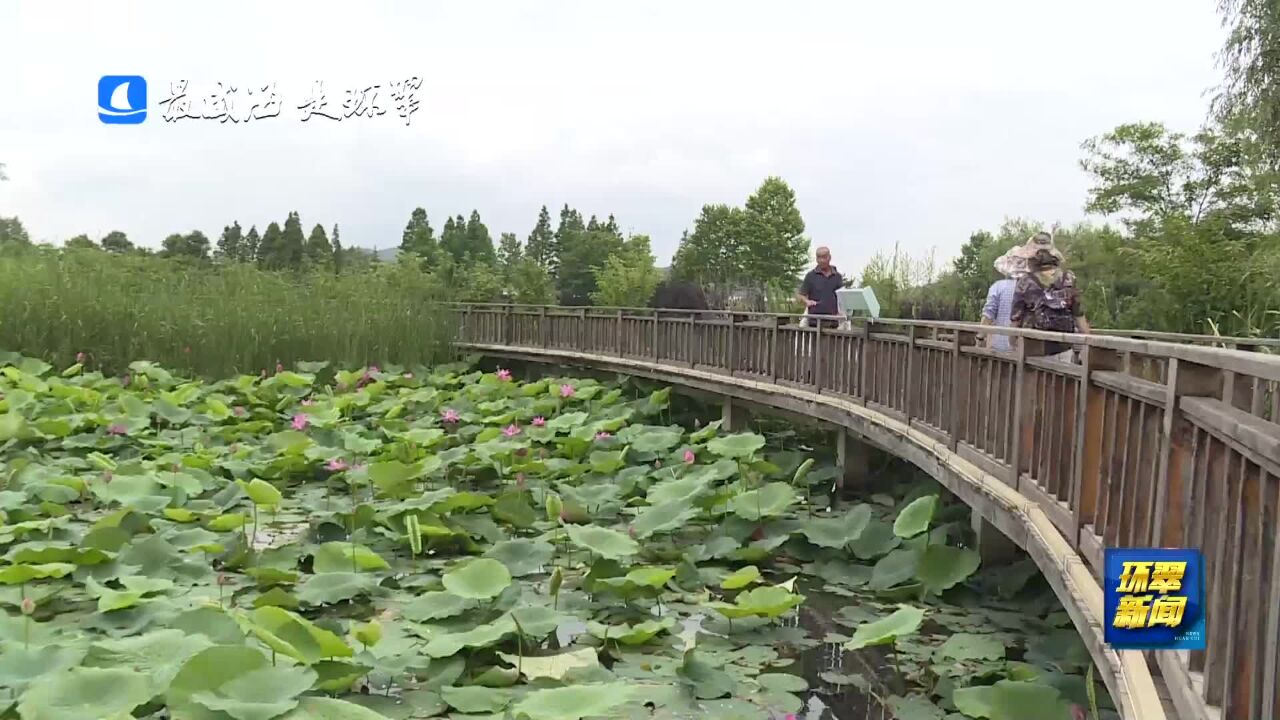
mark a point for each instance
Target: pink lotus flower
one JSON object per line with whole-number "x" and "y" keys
{"x": 28, "y": 606}
{"x": 520, "y": 480}
{"x": 631, "y": 531}
{"x": 657, "y": 464}
{"x": 299, "y": 422}
{"x": 308, "y": 402}
{"x": 566, "y": 391}
{"x": 336, "y": 465}
{"x": 689, "y": 458}
{"x": 602, "y": 435}
{"x": 373, "y": 369}
{"x": 450, "y": 415}
{"x": 238, "y": 411}
{"x": 279, "y": 367}
{"x": 224, "y": 579}
{"x": 80, "y": 357}
{"x": 539, "y": 421}
{"x": 117, "y": 429}
{"x": 511, "y": 430}
{"x": 504, "y": 374}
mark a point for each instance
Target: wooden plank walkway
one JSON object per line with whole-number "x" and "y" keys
{"x": 1143, "y": 442}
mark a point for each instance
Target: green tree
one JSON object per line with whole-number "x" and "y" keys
{"x": 319, "y": 253}
{"x": 581, "y": 253}
{"x": 711, "y": 254}
{"x": 510, "y": 253}
{"x": 193, "y": 246}
{"x": 250, "y": 247}
{"x": 292, "y": 245}
{"x": 269, "y": 249}
{"x": 337, "y": 252}
{"x": 418, "y": 237}
{"x": 230, "y": 244}
{"x": 453, "y": 239}
{"x": 628, "y": 276}
{"x": 773, "y": 246}
{"x": 541, "y": 244}
{"x": 1250, "y": 58}
{"x": 12, "y": 233}
{"x": 479, "y": 243}
{"x": 116, "y": 242}
{"x": 82, "y": 241}
{"x": 531, "y": 284}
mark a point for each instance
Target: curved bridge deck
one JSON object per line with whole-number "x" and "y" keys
{"x": 1143, "y": 443}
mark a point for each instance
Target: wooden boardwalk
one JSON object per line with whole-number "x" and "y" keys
{"x": 1142, "y": 442}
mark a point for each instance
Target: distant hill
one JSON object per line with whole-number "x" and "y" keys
{"x": 387, "y": 254}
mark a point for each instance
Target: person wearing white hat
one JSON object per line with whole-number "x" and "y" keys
{"x": 998, "y": 309}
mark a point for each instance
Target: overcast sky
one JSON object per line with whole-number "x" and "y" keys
{"x": 909, "y": 123}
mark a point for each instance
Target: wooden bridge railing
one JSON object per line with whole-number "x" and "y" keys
{"x": 1138, "y": 443}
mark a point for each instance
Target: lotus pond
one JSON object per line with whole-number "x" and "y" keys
{"x": 321, "y": 545}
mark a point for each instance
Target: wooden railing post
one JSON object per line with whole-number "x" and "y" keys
{"x": 617, "y": 335}
{"x": 656, "y": 322}
{"x": 953, "y": 410}
{"x": 864, "y": 362}
{"x": 1021, "y": 424}
{"x": 773, "y": 348}
{"x": 913, "y": 366}
{"x": 815, "y": 362}
{"x": 1091, "y": 403}
{"x": 543, "y": 330}
{"x": 580, "y": 341}
{"x": 1176, "y": 452}
{"x": 508, "y": 332}
{"x": 731, "y": 345}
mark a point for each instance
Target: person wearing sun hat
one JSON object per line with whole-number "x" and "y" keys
{"x": 1048, "y": 298}
{"x": 998, "y": 308}
{"x": 1034, "y": 244}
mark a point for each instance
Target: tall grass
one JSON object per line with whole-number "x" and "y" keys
{"x": 213, "y": 320}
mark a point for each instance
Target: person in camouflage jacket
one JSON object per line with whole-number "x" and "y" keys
{"x": 1047, "y": 298}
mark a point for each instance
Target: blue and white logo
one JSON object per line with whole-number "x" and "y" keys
{"x": 122, "y": 99}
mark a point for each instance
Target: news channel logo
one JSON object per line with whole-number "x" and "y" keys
{"x": 122, "y": 99}
{"x": 1154, "y": 599}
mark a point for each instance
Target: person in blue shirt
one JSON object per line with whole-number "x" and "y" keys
{"x": 999, "y": 306}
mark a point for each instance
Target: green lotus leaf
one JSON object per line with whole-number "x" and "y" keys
{"x": 637, "y": 634}
{"x": 837, "y": 532}
{"x": 331, "y": 587}
{"x": 262, "y": 694}
{"x": 317, "y": 708}
{"x": 741, "y": 578}
{"x": 651, "y": 439}
{"x": 444, "y": 645}
{"x": 894, "y": 569}
{"x": 574, "y": 702}
{"x": 736, "y": 446}
{"x": 290, "y": 634}
{"x": 227, "y": 522}
{"x": 707, "y": 681}
{"x": 20, "y": 665}
{"x": 903, "y": 621}
{"x": 915, "y": 707}
{"x": 606, "y": 543}
{"x": 473, "y": 699}
{"x": 1009, "y": 700}
{"x": 876, "y": 540}
{"x": 158, "y": 655}
{"x": 941, "y": 566}
{"x": 18, "y": 574}
{"x": 769, "y": 601}
{"x": 666, "y": 517}
{"x": 478, "y": 579}
{"x": 522, "y": 557}
{"x": 437, "y": 606}
{"x": 85, "y": 693}
{"x": 679, "y": 491}
{"x": 346, "y": 557}
{"x": 771, "y": 500}
{"x": 261, "y": 492}
{"x": 338, "y": 675}
{"x": 515, "y": 509}
{"x": 41, "y": 553}
{"x": 552, "y": 666}
{"x": 969, "y": 646}
{"x": 915, "y": 517}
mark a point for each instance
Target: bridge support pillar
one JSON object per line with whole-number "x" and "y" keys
{"x": 993, "y": 547}
{"x": 851, "y": 457}
{"x": 733, "y": 415}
